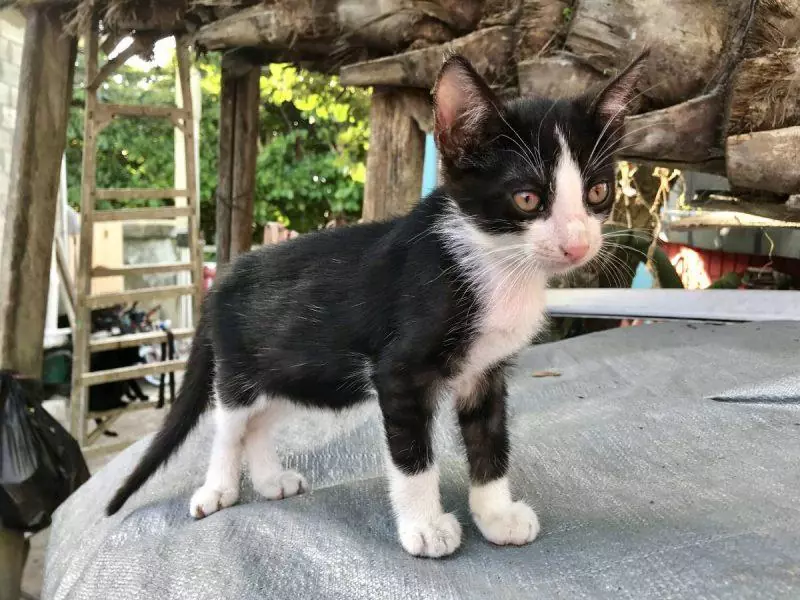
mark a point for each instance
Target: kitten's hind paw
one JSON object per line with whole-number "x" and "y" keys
{"x": 282, "y": 485}
{"x": 515, "y": 524}
{"x": 435, "y": 537}
{"x": 208, "y": 500}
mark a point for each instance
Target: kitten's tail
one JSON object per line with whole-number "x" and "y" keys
{"x": 192, "y": 401}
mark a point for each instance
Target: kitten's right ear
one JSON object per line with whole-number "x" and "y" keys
{"x": 462, "y": 104}
{"x": 615, "y": 100}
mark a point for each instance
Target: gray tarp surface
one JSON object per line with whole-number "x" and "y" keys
{"x": 663, "y": 462}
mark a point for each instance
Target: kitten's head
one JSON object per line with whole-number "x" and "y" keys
{"x": 530, "y": 177}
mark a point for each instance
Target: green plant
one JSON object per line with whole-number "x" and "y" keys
{"x": 313, "y": 137}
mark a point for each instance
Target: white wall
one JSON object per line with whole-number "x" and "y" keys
{"x": 12, "y": 31}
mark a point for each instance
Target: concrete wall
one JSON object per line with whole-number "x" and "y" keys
{"x": 12, "y": 32}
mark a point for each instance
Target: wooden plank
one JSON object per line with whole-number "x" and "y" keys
{"x": 135, "y": 372}
{"x": 395, "y": 158}
{"x": 193, "y": 198}
{"x": 138, "y": 193}
{"x": 105, "y": 112}
{"x": 765, "y": 160}
{"x": 142, "y": 214}
{"x": 143, "y": 269}
{"x": 490, "y": 50}
{"x": 115, "y": 342}
{"x": 126, "y": 297}
{"x": 29, "y": 207}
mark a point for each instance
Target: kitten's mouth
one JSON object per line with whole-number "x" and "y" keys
{"x": 563, "y": 265}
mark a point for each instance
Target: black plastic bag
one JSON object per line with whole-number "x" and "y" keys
{"x": 40, "y": 463}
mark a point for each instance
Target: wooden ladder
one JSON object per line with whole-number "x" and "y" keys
{"x": 97, "y": 116}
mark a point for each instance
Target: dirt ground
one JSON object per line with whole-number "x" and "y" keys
{"x": 129, "y": 427}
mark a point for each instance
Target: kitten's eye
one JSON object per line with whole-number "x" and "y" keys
{"x": 527, "y": 202}
{"x": 597, "y": 193}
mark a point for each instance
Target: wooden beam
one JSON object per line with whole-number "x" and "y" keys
{"x": 765, "y": 160}
{"x": 45, "y": 91}
{"x": 395, "y": 157}
{"x": 237, "y": 162}
{"x": 310, "y": 27}
{"x": 685, "y": 133}
{"x": 490, "y": 51}
{"x": 558, "y": 76}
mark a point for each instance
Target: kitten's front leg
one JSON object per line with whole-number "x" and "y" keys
{"x": 423, "y": 527}
{"x": 482, "y": 417}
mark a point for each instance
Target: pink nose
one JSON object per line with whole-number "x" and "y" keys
{"x": 575, "y": 251}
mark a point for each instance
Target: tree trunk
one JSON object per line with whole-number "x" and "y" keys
{"x": 238, "y": 148}
{"x": 45, "y": 91}
{"x": 395, "y": 158}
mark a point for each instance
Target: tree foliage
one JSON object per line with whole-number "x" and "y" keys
{"x": 312, "y": 144}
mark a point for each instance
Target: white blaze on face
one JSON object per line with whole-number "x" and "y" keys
{"x": 569, "y": 215}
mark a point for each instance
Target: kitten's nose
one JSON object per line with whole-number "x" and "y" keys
{"x": 575, "y": 250}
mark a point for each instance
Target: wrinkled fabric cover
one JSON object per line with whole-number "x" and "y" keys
{"x": 664, "y": 461}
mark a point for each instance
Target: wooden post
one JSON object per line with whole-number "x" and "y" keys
{"x": 45, "y": 91}
{"x": 396, "y": 154}
{"x": 190, "y": 156}
{"x": 26, "y": 242}
{"x": 79, "y": 399}
{"x": 238, "y": 149}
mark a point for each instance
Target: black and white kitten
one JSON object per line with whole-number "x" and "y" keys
{"x": 430, "y": 304}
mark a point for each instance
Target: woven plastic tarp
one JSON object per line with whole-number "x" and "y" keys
{"x": 662, "y": 461}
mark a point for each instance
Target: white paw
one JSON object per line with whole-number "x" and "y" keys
{"x": 281, "y": 485}
{"x": 515, "y": 524}
{"x": 436, "y": 537}
{"x": 208, "y": 500}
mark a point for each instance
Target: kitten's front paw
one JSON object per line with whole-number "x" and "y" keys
{"x": 435, "y": 537}
{"x": 515, "y": 524}
{"x": 282, "y": 485}
{"x": 208, "y": 500}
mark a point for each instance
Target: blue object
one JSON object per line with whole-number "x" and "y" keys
{"x": 429, "y": 167}
{"x": 643, "y": 279}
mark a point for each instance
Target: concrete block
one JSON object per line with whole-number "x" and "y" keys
{"x": 9, "y": 73}
{"x": 8, "y": 118}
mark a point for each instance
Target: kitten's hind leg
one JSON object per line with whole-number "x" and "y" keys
{"x": 221, "y": 488}
{"x": 268, "y": 477}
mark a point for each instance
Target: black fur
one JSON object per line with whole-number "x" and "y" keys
{"x": 328, "y": 319}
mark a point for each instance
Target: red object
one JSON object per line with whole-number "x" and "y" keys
{"x": 209, "y": 274}
{"x": 699, "y": 268}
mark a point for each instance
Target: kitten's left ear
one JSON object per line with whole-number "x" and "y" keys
{"x": 614, "y": 102}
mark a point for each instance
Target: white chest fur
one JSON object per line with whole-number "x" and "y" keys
{"x": 510, "y": 311}
{"x": 510, "y": 303}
